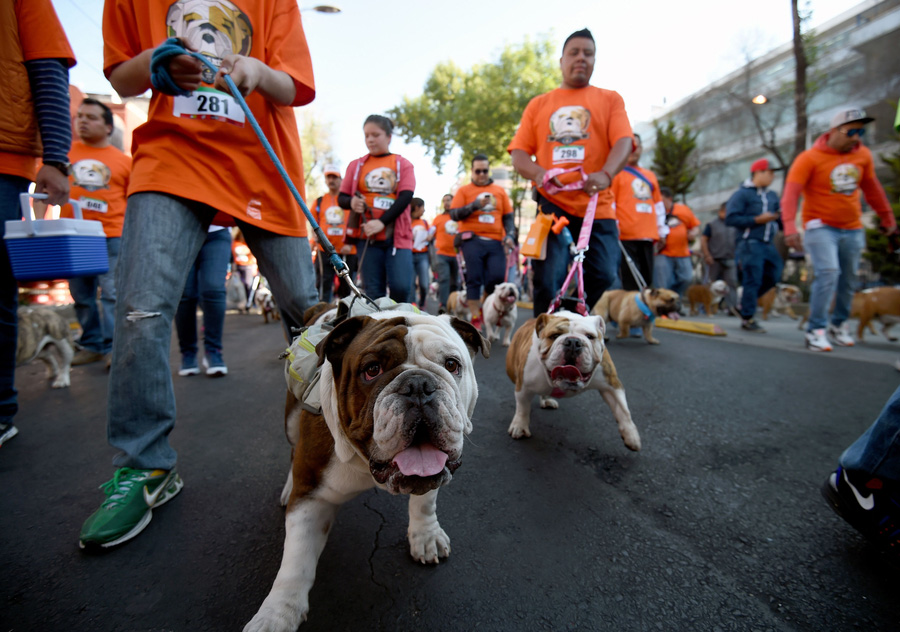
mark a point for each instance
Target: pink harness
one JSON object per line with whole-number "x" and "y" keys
{"x": 583, "y": 237}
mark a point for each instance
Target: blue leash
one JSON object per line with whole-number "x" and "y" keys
{"x": 162, "y": 81}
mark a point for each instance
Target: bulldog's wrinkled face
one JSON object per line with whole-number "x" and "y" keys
{"x": 789, "y": 293}
{"x": 402, "y": 395}
{"x": 570, "y": 347}
{"x": 663, "y": 302}
{"x": 507, "y": 292}
{"x": 719, "y": 288}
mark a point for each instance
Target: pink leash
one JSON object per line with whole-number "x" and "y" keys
{"x": 584, "y": 236}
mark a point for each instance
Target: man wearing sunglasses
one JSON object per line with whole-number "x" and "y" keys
{"x": 829, "y": 177}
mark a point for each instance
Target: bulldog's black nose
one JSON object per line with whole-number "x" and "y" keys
{"x": 419, "y": 388}
{"x": 573, "y": 345}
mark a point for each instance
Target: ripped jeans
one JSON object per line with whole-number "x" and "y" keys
{"x": 160, "y": 242}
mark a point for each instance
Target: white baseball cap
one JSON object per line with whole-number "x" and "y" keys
{"x": 850, "y": 115}
{"x": 332, "y": 170}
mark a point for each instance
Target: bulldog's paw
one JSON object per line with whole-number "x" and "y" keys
{"x": 277, "y": 619}
{"x": 506, "y": 342}
{"x": 632, "y": 439}
{"x": 652, "y": 341}
{"x": 61, "y": 381}
{"x": 518, "y": 429}
{"x": 549, "y": 402}
{"x": 429, "y": 544}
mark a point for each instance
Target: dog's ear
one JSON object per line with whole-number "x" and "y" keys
{"x": 335, "y": 344}
{"x": 654, "y": 292}
{"x": 472, "y": 337}
{"x": 601, "y": 326}
{"x": 540, "y": 324}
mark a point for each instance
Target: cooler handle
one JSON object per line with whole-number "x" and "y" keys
{"x": 28, "y": 210}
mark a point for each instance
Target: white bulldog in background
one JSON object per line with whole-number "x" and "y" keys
{"x": 397, "y": 392}
{"x": 499, "y": 311}
{"x": 561, "y": 355}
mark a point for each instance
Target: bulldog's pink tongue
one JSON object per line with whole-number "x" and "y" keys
{"x": 673, "y": 315}
{"x": 421, "y": 460}
{"x": 567, "y": 372}
{"x": 511, "y": 298}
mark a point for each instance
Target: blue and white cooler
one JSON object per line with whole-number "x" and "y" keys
{"x": 44, "y": 249}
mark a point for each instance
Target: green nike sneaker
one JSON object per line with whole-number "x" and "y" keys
{"x": 131, "y": 496}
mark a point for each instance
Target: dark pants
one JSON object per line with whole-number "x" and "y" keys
{"x": 10, "y": 188}
{"x": 761, "y": 266}
{"x": 325, "y": 276}
{"x": 485, "y": 265}
{"x": 205, "y": 284}
{"x": 448, "y": 277}
{"x": 641, "y": 253}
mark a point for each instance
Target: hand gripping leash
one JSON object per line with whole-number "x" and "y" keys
{"x": 162, "y": 81}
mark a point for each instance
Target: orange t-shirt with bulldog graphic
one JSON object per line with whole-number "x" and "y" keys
{"x": 333, "y": 221}
{"x": 487, "y": 222}
{"x": 574, "y": 128}
{"x": 445, "y": 230}
{"x": 680, "y": 221}
{"x": 200, "y": 147}
{"x": 99, "y": 180}
{"x": 636, "y": 205}
{"x": 380, "y": 179}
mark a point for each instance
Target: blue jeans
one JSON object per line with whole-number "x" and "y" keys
{"x": 97, "y": 322}
{"x": 485, "y": 266}
{"x": 206, "y": 285}
{"x": 672, "y": 273}
{"x": 422, "y": 270}
{"x": 761, "y": 266}
{"x": 163, "y": 235}
{"x": 10, "y": 188}
{"x": 877, "y": 451}
{"x": 447, "y": 269}
{"x": 386, "y": 267}
{"x": 834, "y": 254}
{"x": 601, "y": 261}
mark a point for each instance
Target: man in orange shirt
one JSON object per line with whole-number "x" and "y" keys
{"x": 830, "y": 176}
{"x": 642, "y": 217}
{"x": 197, "y": 161}
{"x": 100, "y": 175}
{"x": 486, "y": 225}
{"x": 445, "y": 262}
{"x": 576, "y": 125}
{"x": 672, "y": 269}
{"x": 34, "y": 53}
{"x": 333, "y": 220}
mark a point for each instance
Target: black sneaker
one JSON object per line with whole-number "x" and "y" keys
{"x": 752, "y": 326}
{"x": 868, "y": 505}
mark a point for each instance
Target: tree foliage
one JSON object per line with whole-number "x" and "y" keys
{"x": 671, "y": 157}
{"x": 316, "y": 145}
{"x": 879, "y": 251}
{"x": 478, "y": 110}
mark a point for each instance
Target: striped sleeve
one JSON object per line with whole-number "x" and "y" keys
{"x": 49, "y": 79}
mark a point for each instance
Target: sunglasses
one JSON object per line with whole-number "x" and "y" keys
{"x": 478, "y": 172}
{"x": 851, "y": 133}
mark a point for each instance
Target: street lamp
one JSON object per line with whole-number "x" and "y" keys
{"x": 323, "y": 8}
{"x": 759, "y": 99}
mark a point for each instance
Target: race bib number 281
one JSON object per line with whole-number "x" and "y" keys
{"x": 206, "y": 103}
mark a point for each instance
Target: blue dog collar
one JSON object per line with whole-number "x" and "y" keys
{"x": 643, "y": 307}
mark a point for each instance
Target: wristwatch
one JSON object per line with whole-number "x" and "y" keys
{"x": 64, "y": 167}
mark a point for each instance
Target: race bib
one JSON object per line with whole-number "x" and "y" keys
{"x": 568, "y": 153}
{"x": 91, "y": 204}
{"x": 206, "y": 103}
{"x": 334, "y": 231}
{"x": 643, "y": 208}
{"x": 486, "y": 219}
{"x": 383, "y": 203}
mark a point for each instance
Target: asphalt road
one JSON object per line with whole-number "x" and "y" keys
{"x": 717, "y": 524}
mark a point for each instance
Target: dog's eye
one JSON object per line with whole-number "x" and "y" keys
{"x": 371, "y": 371}
{"x": 590, "y": 336}
{"x": 453, "y": 366}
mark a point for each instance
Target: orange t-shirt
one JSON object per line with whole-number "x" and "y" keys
{"x": 200, "y": 147}
{"x": 99, "y": 181}
{"x": 445, "y": 230}
{"x": 484, "y": 222}
{"x": 574, "y": 128}
{"x": 41, "y": 36}
{"x": 419, "y": 226}
{"x": 636, "y": 204}
{"x": 380, "y": 179}
{"x": 242, "y": 254}
{"x": 677, "y": 242}
{"x": 333, "y": 221}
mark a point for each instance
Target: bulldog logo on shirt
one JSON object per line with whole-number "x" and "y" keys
{"x": 381, "y": 180}
{"x": 640, "y": 189}
{"x": 845, "y": 179}
{"x": 451, "y": 227}
{"x": 215, "y": 28}
{"x": 569, "y": 124}
{"x": 91, "y": 175}
{"x": 334, "y": 215}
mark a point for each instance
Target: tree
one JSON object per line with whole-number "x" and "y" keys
{"x": 801, "y": 64}
{"x": 315, "y": 143}
{"x": 671, "y": 157}
{"x": 879, "y": 251}
{"x": 477, "y": 111}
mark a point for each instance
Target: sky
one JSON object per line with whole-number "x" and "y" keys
{"x": 372, "y": 54}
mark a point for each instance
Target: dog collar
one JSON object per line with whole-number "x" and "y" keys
{"x": 648, "y": 315}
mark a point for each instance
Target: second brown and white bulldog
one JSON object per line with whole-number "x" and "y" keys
{"x": 397, "y": 392}
{"x": 561, "y": 355}
{"x": 637, "y": 309}
{"x": 779, "y": 299}
{"x": 458, "y": 306}
{"x": 499, "y": 312}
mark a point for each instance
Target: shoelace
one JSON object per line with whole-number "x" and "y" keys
{"x": 119, "y": 486}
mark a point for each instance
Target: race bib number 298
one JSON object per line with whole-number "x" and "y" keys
{"x": 568, "y": 153}
{"x": 206, "y": 103}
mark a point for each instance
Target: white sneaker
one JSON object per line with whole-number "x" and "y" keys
{"x": 840, "y": 335}
{"x": 816, "y": 340}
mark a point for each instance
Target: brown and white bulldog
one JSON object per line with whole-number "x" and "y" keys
{"x": 458, "y": 305}
{"x": 623, "y": 308}
{"x": 265, "y": 301}
{"x": 45, "y": 335}
{"x": 561, "y": 355}
{"x": 499, "y": 311}
{"x": 880, "y": 304}
{"x": 708, "y": 296}
{"x": 779, "y": 299}
{"x": 397, "y": 392}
